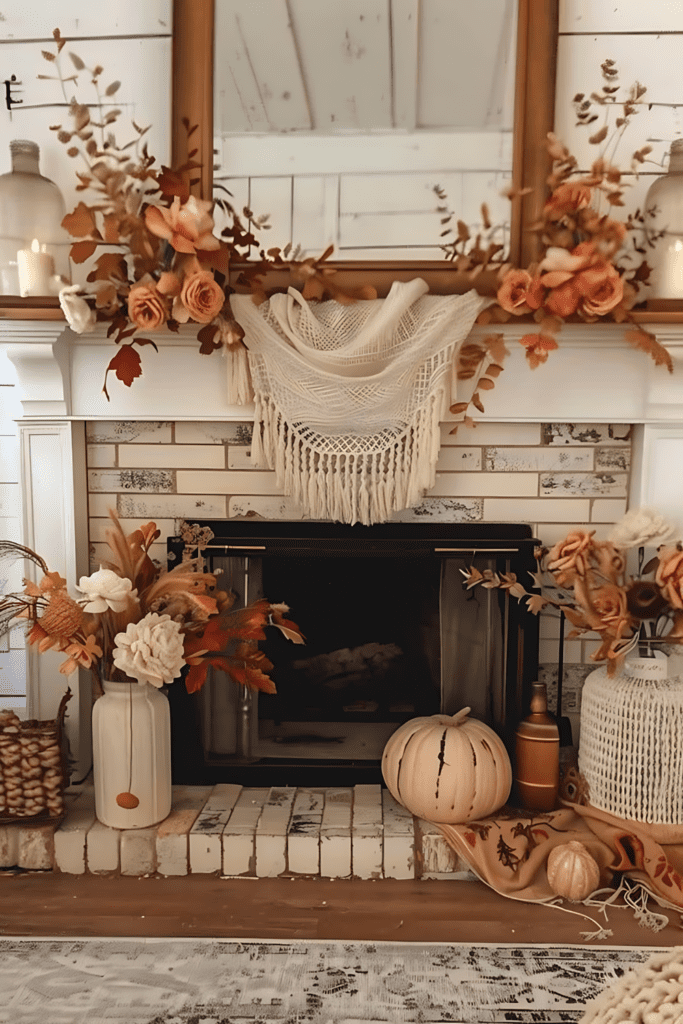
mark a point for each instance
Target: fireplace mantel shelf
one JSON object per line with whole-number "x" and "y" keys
{"x": 594, "y": 376}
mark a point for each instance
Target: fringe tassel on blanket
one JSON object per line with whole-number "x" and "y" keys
{"x": 364, "y": 487}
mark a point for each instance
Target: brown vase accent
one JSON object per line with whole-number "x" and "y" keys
{"x": 537, "y": 755}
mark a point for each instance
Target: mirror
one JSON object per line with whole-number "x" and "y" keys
{"x": 339, "y": 119}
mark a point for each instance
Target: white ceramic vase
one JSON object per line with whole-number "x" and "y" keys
{"x": 131, "y": 754}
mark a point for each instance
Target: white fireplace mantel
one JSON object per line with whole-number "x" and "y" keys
{"x": 595, "y": 376}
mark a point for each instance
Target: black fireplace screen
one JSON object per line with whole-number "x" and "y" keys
{"x": 391, "y": 634}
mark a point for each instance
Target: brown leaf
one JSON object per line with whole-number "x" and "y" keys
{"x": 458, "y": 408}
{"x": 494, "y": 370}
{"x": 206, "y": 338}
{"x": 111, "y": 89}
{"x": 81, "y": 251}
{"x": 599, "y": 136}
{"x": 47, "y": 55}
{"x": 486, "y": 384}
{"x": 76, "y": 61}
{"x": 476, "y": 402}
{"x": 79, "y": 222}
{"x": 126, "y": 364}
{"x": 647, "y": 342}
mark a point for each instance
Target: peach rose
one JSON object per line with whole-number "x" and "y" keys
{"x": 609, "y": 605}
{"x": 602, "y": 288}
{"x": 569, "y": 197}
{"x": 201, "y": 297}
{"x": 570, "y": 556}
{"x": 189, "y": 228}
{"x": 519, "y": 292}
{"x": 146, "y": 307}
{"x": 669, "y": 573}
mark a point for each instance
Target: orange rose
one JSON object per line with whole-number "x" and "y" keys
{"x": 602, "y": 288}
{"x": 146, "y": 307}
{"x": 520, "y": 292}
{"x": 202, "y": 297}
{"x": 669, "y": 574}
{"x": 570, "y": 556}
{"x": 189, "y": 228}
{"x": 569, "y": 197}
{"x": 564, "y": 299}
{"x": 611, "y": 611}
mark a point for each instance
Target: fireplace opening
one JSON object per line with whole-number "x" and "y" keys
{"x": 391, "y": 634}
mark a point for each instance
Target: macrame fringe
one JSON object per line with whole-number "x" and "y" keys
{"x": 240, "y": 391}
{"x": 352, "y": 487}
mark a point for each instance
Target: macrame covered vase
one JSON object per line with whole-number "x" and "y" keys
{"x": 131, "y": 755}
{"x": 630, "y": 750}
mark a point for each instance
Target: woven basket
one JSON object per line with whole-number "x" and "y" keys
{"x": 630, "y": 751}
{"x": 34, "y": 769}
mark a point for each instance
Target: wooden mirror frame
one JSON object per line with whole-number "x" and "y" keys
{"x": 537, "y": 31}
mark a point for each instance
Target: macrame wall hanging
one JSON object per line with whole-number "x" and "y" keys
{"x": 349, "y": 399}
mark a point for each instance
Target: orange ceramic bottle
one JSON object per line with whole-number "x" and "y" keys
{"x": 537, "y": 755}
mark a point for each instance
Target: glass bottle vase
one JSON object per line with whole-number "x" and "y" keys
{"x": 663, "y": 213}
{"x": 131, "y": 755}
{"x": 34, "y": 247}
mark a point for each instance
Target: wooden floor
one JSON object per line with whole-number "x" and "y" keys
{"x": 38, "y": 903}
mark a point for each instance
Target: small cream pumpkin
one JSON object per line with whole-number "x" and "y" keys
{"x": 447, "y": 768}
{"x": 573, "y": 872}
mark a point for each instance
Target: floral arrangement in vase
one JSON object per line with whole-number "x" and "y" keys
{"x": 587, "y": 580}
{"x": 132, "y": 620}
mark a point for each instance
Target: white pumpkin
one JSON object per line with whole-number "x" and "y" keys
{"x": 447, "y": 768}
{"x": 572, "y": 871}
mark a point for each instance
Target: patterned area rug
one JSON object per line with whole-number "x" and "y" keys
{"x": 211, "y": 981}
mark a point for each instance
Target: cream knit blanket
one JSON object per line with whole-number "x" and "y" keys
{"x": 349, "y": 398}
{"x": 652, "y": 994}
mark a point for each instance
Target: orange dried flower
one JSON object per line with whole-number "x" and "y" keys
{"x": 146, "y": 306}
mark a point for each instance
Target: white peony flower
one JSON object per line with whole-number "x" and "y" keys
{"x": 105, "y": 589}
{"x": 641, "y": 527}
{"x": 150, "y": 650}
{"x": 80, "y": 316}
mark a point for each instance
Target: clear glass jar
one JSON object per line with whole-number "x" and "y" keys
{"x": 34, "y": 247}
{"x": 664, "y": 228}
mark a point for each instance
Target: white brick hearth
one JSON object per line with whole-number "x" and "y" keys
{"x": 228, "y": 830}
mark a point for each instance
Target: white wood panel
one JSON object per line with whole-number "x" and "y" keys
{"x": 389, "y": 193}
{"x": 239, "y": 198}
{"x": 649, "y": 59}
{"x": 346, "y": 56}
{"x": 257, "y": 77}
{"x": 404, "y": 57}
{"x": 254, "y": 155}
{"x": 396, "y": 229}
{"x": 75, "y": 18}
{"x": 467, "y": 64}
{"x": 273, "y": 196}
{"x": 315, "y": 213}
{"x": 403, "y": 252}
{"x": 621, "y": 16}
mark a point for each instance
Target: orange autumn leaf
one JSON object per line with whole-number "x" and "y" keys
{"x": 126, "y": 365}
{"x": 79, "y": 222}
{"x": 82, "y": 251}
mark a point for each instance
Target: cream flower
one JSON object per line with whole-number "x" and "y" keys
{"x": 80, "y": 316}
{"x": 150, "y": 650}
{"x": 105, "y": 589}
{"x": 188, "y": 226}
{"x": 641, "y": 527}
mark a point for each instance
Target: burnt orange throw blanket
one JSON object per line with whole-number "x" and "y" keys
{"x": 509, "y": 852}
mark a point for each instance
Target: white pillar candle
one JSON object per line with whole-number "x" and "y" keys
{"x": 36, "y": 269}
